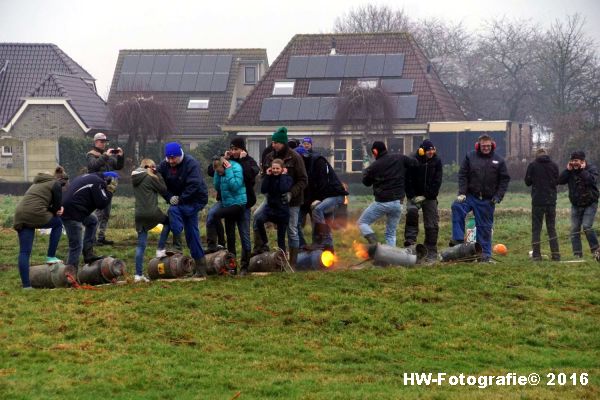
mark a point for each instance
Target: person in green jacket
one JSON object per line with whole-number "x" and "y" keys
{"x": 39, "y": 208}
{"x": 147, "y": 185}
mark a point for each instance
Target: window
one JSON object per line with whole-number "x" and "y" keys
{"x": 238, "y": 102}
{"x": 198, "y": 104}
{"x": 339, "y": 155}
{"x": 250, "y": 75}
{"x": 417, "y": 140}
{"x": 370, "y": 83}
{"x": 283, "y": 88}
{"x": 7, "y": 151}
{"x": 396, "y": 145}
{"x": 357, "y": 155}
{"x": 256, "y": 147}
{"x": 347, "y": 155}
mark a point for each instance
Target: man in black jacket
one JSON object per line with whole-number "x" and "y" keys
{"x": 482, "y": 182}
{"x": 542, "y": 176}
{"x": 86, "y": 193}
{"x": 387, "y": 175}
{"x": 583, "y": 193}
{"x": 422, "y": 188}
{"x": 101, "y": 159}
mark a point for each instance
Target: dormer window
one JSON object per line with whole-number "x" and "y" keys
{"x": 198, "y": 104}
{"x": 369, "y": 83}
{"x": 283, "y": 88}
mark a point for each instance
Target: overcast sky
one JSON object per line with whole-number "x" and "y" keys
{"x": 93, "y": 32}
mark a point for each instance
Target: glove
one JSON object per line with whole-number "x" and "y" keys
{"x": 461, "y": 198}
{"x": 112, "y": 185}
{"x": 495, "y": 200}
{"x": 288, "y": 196}
{"x": 418, "y": 200}
{"x": 174, "y": 200}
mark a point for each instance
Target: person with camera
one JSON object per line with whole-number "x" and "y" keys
{"x": 101, "y": 159}
{"x": 581, "y": 177}
{"x": 482, "y": 182}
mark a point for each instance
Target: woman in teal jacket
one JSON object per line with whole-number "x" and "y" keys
{"x": 229, "y": 182}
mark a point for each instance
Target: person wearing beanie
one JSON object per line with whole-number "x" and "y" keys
{"x": 40, "y": 207}
{"x": 422, "y": 188}
{"x": 187, "y": 195}
{"x": 85, "y": 194}
{"x": 101, "y": 159}
{"x": 387, "y": 175}
{"x": 542, "y": 176}
{"x": 482, "y": 182}
{"x": 307, "y": 143}
{"x": 582, "y": 179}
{"x": 295, "y": 169}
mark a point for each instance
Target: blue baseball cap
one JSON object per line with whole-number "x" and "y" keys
{"x": 111, "y": 174}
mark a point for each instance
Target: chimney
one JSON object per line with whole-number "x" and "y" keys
{"x": 332, "y": 52}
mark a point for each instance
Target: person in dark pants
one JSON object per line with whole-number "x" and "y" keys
{"x": 187, "y": 195}
{"x": 582, "y": 178}
{"x": 482, "y": 182}
{"x": 40, "y": 207}
{"x": 86, "y": 193}
{"x": 422, "y": 188}
{"x": 275, "y": 185}
{"x": 542, "y": 176}
{"x": 101, "y": 159}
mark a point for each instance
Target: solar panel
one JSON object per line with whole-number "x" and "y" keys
{"x": 141, "y": 82}
{"x": 355, "y": 64}
{"x": 157, "y": 82}
{"x": 297, "y": 67}
{"x": 223, "y": 64}
{"x": 374, "y": 65}
{"x": 192, "y": 64}
{"x": 125, "y": 82}
{"x": 145, "y": 64}
{"x": 335, "y": 66}
{"x": 161, "y": 64}
{"x": 397, "y": 85}
{"x": 324, "y": 86}
{"x": 208, "y": 64}
{"x": 393, "y": 65}
{"x": 130, "y": 63}
{"x": 176, "y": 65}
{"x": 316, "y": 66}
{"x": 219, "y": 82}
{"x": 289, "y": 109}
{"x": 188, "y": 83}
{"x": 172, "y": 82}
{"x": 327, "y": 108}
{"x": 270, "y": 109}
{"x": 406, "y": 107}
{"x": 309, "y": 108}
{"x": 204, "y": 82}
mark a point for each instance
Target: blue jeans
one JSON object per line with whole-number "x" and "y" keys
{"x": 257, "y": 212}
{"x": 74, "y": 230}
{"x": 326, "y": 208}
{"x": 392, "y": 210}
{"x": 583, "y": 217}
{"x": 185, "y": 217}
{"x": 483, "y": 210}
{"x": 210, "y": 220}
{"x": 292, "y": 229}
{"x": 26, "y": 236}
{"x": 304, "y": 211}
{"x": 243, "y": 225}
{"x": 142, "y": 239}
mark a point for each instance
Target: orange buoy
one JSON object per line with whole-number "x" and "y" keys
{"x": 500, "y": 249}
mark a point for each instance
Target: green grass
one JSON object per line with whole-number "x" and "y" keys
{"x": 327, "y": 335}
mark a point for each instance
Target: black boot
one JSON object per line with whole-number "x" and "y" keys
{"x": 259, "y": 246}
{"x": 371, "y": 238}
{"x": 245, "y": 263}
{"x": 200, "y": 268}
{"x": 455, "y": 242}
{"x": 293, "y": 256}
{"x": 89, "y": 256}
{"x": 211, "y": 240}
{"x": 177, "y": 243}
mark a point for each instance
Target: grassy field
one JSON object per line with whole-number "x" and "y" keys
{"x": 341, "y": 334}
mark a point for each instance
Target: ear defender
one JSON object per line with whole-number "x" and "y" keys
{"x": 477, "y": 146}
{"x": 375, "y": 152}
{"x": 421, "y": 151}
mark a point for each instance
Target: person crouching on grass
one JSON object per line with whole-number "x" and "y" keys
{"x": 147, "y": 185}
{"x": 39, "y": 208}
{"x": 275, "y": 185}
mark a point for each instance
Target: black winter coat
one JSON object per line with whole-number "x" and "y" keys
{"x": 185, "y": 181}
{"x": 323, "y": 182}
{"x": 85, "y": 194}
{"x": 425, "y": 179}
{"x": 483, "y": 176}
{"x": 583, "y": 188}
{"x": 387, "y": 175}
{"x": 295, "y": 166}
{"x": 275, "y": 189}
{"x": 542, "y": 176}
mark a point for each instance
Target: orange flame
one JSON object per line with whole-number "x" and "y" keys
{"x": 360, "y": 250}
{"x": 328, "y": 258}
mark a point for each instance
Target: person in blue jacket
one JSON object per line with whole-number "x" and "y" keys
{"x": 228, "y": 180}
{"x": 187, "y": 196}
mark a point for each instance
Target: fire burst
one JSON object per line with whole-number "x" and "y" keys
{"x": 360, "y": 250}
{"x": 328, "y": 259}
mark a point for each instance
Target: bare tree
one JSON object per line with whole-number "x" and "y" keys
{"x": 141, "y": 119}
{"x": 366, "y": 110}
{"x": 371, "y": 18}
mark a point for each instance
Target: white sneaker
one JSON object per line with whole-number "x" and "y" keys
{"x": 161, "y": 253}
{"x": 140, "y": 278}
